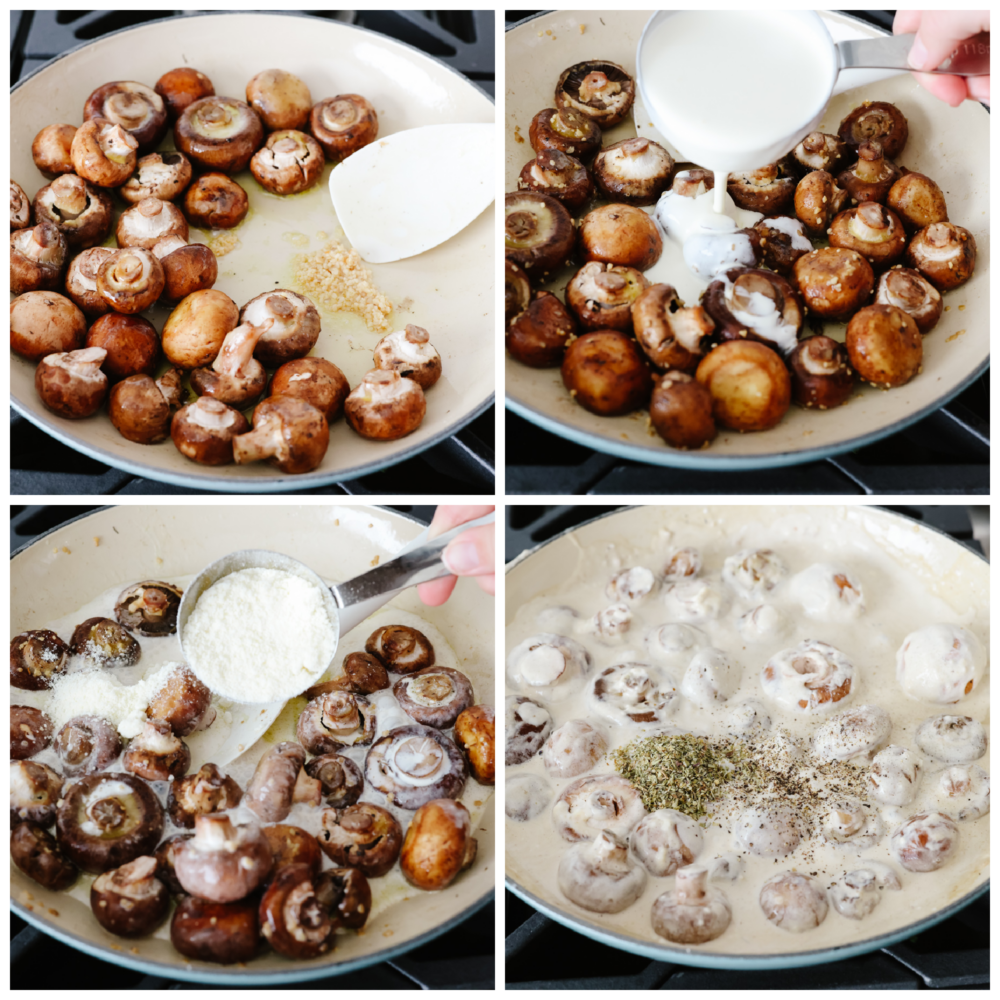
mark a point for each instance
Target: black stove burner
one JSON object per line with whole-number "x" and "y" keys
{"x": 460, "y": 959}
{"x": 543, "y": 954}
{"x": 462, "y": 464}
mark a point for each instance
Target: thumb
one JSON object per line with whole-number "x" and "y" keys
{"x": 471, "y": 554}
{"x": 941, "y": 31}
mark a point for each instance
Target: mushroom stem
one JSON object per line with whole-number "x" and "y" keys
{"x": 238, "y": 347}
{"x": 690, "y": 884}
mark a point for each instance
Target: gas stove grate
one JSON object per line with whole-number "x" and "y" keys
{"x": 462, "y": 464}
{"x": 543, "y": 954}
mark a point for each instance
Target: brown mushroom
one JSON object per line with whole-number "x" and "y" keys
{"x": 105, "y": 643}
{"x": 783, "y": 241}
{"x": 606, "y": 374}
{"x": 183, "y": 701}
{"x": 135, "y": 107}
{"x": 833, "y": 282}
{"x": 204, "y": 431}
{"x": 910, "y": 291}
{"x": 944, "y": 254}
{"x": 223, "y": 861}
{"x": 193, "y": 333}
{"x": 635, "y": 171}
{"x": 317, "y": 381}
{"x": 34, "y": 792}
{"x": 82, "y": 213}
{"x": 219, "y": 133}
{"x": 236, "y": 377}
{"x": 438, "y": 845}
{"x": 401, "y": 649}
{"x": 186, "y": 268}
{"x": 769, "y": 190}
{"x": 297, "y": 913}
{"x": 692, "y": 912}
{"x": 755, "y": 304}
{"x": 475, "y": 735}
{"x": 876, "y": 120}
{"x": 37, "y": 258}
{"x": 822, "y": 377}
{"x": 434, "y": 696}
{"x": 181, "y": 87}
{"x": 517, "y": 291}
{"x": 148, "y": 222}
{"x": 873, "y": 230}
{"x": 620, "y": 234}
{"x": 537, "y": 336}
{"x": 602, "y": 295}
{"x": 336, "y": 720}
{"x": 20, "y": 207}
{"x": 670, "y": 334}
{"x": 150, "y": 608}
{"x": 72, "y": 384}
{"x": 872, "y": 177}
{"x": 103, "y": 153}
{"x": 289, "y": 433}
{"x": 50, "y": 149}
{"x": 30, "y": 731}
{"x": 918, "y": 201}
{"x": 291, "y": 845}
{"x": 410, "y": 353}
{"x": 272, "y": 787}
{"x": 817, "y": 201}
{"x": 141, "y": 408}
{"x": 343, "y": 124}
{"x": 36, "y": 658}
{"x": 414, "y": 764}
{"x": 295, "y": 329}
{"x": 81, "y": 282}
{"x": 884, "y": 345}
{"x": 87, "y": 744}
{"x": 362, "y": 836}
{"x": 206, "y": 791}
{"x": 363, "y": 674}
{"x": 819, "y": 151}
{"x": 340, "y": 778}
{"x": 598, "y": 89}
{"x": 281, "y": 99}
{"x": 158, "y": 175}
{"x": 106, "y": 820}
{"x": 225, "y": 933}
{"x": 156, "y": 754}
{"x": 565, "y": 130}
{"x": 166, "y": 855}
{"x": 288, "y": 162}
{"x": 36, "y": 853}
{"x": 680, "y": 410}
{"x": 538, "y": 232}
{"x": 527, "y": 726}
{"x": 216, "y": 201}
{"x": 131, "y": 342}
{"x": 385, "y": 406}
{"x": 130, "y": 901}
{"x": 749, "y": 383}
{"x": 130, "y": 280}
{"x": 558, "y": 175}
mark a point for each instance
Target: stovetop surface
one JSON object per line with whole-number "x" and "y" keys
{"x": 462, "y": 464}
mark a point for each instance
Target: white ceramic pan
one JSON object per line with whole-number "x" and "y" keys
{"x": 944, "y": 567}
{"x": 56, "y": 574}
{"x": 448, "y": 290}
{"x": 950, "y": 145}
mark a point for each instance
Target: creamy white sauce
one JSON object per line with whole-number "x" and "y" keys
{"x": 902, "y": 591}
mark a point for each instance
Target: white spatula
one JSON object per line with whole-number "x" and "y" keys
{"x": 410, "y": 191}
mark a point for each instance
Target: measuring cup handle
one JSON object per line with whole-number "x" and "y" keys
{"x": 368, "y": 592}
{"x": 970, "y": 58}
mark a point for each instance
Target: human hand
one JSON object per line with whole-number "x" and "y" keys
{"x": 472, "y": 553}
{"x": 938, "y": 34}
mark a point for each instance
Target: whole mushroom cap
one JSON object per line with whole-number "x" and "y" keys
{"x": 385, "y": 406}
{"x": 219, "y": 133}
{"x": 193, "y": 333}
{"x": 280, "y": 98}
{"x": 317, "y": 381}
{"x": 44, "y": 323}
{"x": 50, "y": 149}
{"x": 343, "y": 124}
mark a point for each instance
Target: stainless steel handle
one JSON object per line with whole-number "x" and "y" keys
{"x": 971, "y": 58}
{"x": 419, "y": 565}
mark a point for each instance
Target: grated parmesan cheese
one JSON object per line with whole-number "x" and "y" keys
{"x": 336, "y": 277}
{"x": 259, "y": 635}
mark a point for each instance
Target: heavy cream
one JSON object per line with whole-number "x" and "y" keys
{"x": 726, "y": 627}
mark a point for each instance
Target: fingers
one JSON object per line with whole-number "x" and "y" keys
{"x": 940, "y": 32}
{"x": 437, "y": 591}
{"x": 979, "y": 88}
{"x": 472, "y": 553}
{"x": 950, "y": 89}
{"x": 450, "y": 516}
